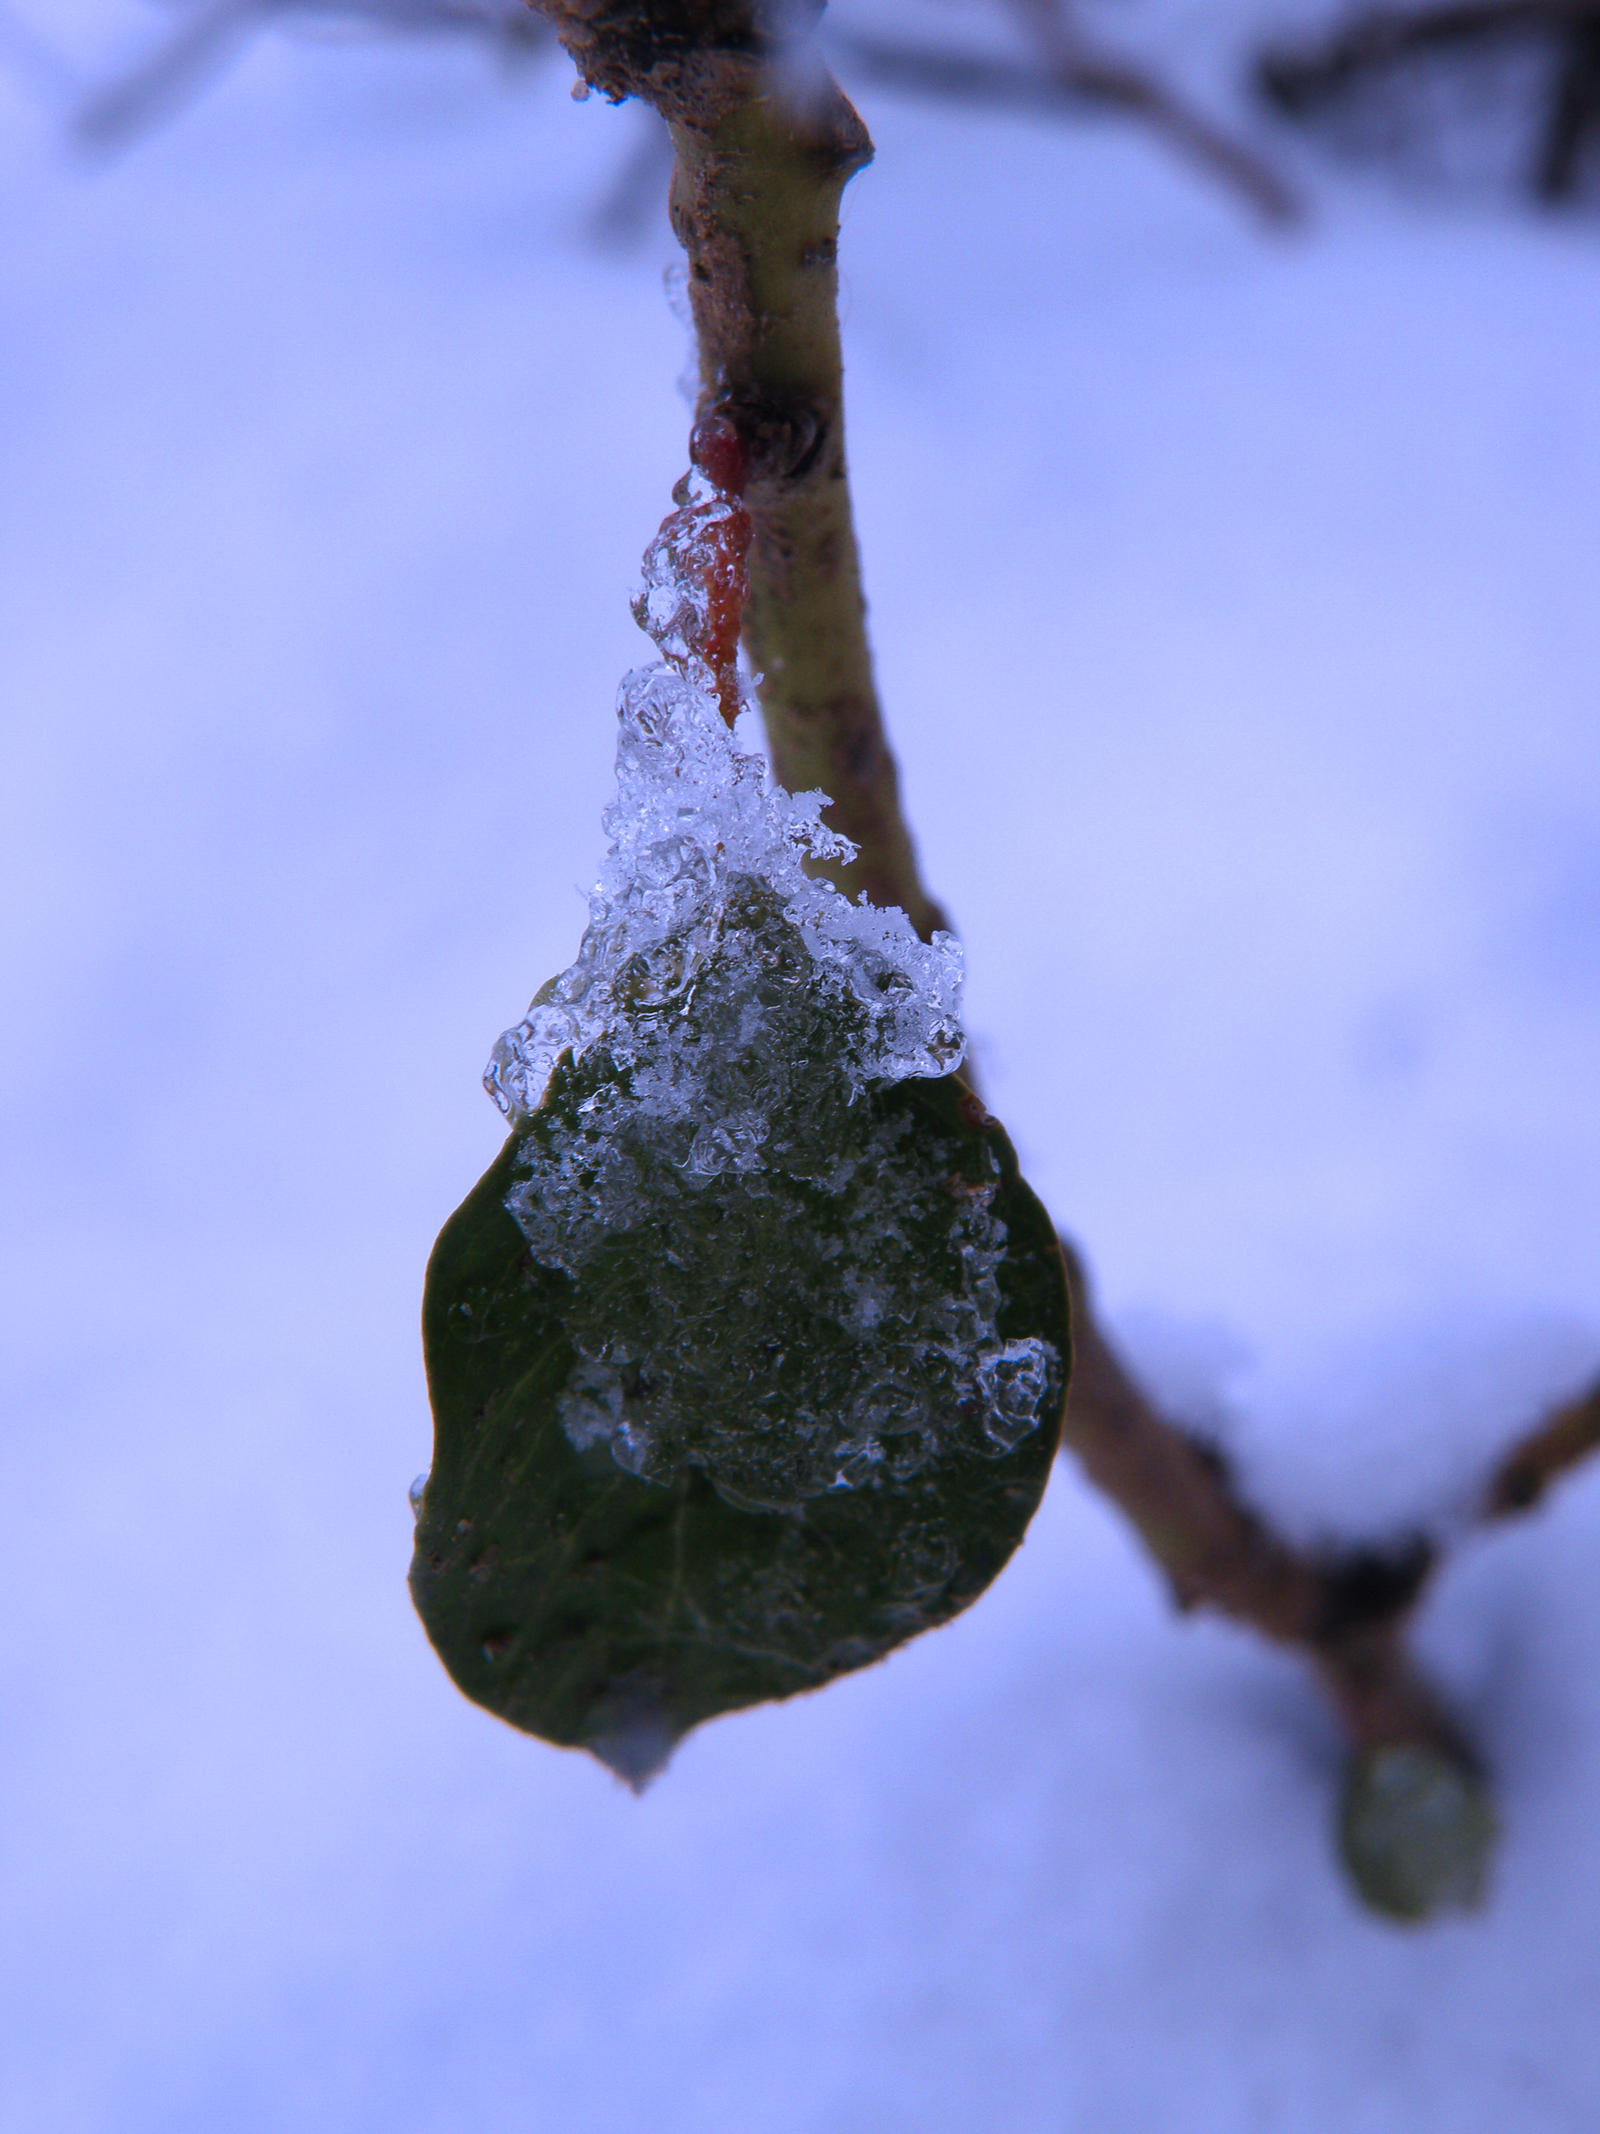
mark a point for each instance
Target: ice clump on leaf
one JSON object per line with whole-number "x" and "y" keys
{"x": 700, "y": 838}
{"x": 775, "y": 1281}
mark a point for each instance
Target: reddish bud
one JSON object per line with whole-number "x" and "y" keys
{"x": 721, "y": 454}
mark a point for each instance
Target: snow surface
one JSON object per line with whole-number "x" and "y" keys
{"x": 1236, "y": 612}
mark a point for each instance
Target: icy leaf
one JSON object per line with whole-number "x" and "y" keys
{"x": 768, "y": 1478}
{"x": 748, "y": 1356}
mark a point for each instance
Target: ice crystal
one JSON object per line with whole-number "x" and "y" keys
{"x": 775, "y": 1280}
{"x": 698, "y": 830}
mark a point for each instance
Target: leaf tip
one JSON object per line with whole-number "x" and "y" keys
{"x": 635, "y": 1738}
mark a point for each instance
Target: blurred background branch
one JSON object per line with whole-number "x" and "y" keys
{"x": 1468, "y": 87}
{"x": 1348, "y": 1609}
{"x": 210, "y": 33}
{"x": 1065, "y": 71}
{"x": 1390, "y": 57}
{"x": 1058, "y": 68}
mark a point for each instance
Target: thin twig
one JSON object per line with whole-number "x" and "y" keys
{"x": 1072, "y": 58}
{"x": 1299, "y": 78}
{"x": 1304, "y": 80}
{"x": 1076, "y": 81}
{"x": 1348, "y": 1610}
{"x": 172, "y": 74}
{"x": 1574, "y": 117}
{"x": 1557, "y": 1445}
{"x": 755, "y": 202}
{"x": 210, "y": 35}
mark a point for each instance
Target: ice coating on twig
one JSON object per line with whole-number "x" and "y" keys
{"x": 774, "y": 1280}
{"x": 695, "y": 827}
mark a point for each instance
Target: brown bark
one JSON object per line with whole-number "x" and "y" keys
{"x": 755, "y": 203}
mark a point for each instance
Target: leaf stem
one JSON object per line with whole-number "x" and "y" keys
{"x": 755, "y": 203}
{"x": 764, "y": 143}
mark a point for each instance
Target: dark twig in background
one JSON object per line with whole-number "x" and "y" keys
{"x": 1574, "y": 112}
{"x": 1085, "y": 84}
{"x": 1309, "y": 80}
{"x": 1550, "y": 1450}
{"x": 1068, "y": 74}
{"x": 208, "y": 37}
{"x": 1072, "y": 60}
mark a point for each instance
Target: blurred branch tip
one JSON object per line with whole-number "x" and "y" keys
{"x": 184, "y": 62}
{"x": 1416, "y": 1824}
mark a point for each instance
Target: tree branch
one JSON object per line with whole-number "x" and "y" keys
{"x": 1552, "y": 1449}
{"x": 1303, "y": 80}
{"x": 1416, "y": 1824}
{"x": 1349, "y": 1609}
{"x": 1217, "y": 1552}
{"x": 1075, "y": 82}
{"x": 755, "y": 202}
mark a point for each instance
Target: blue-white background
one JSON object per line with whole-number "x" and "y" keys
{"x": 1237, "y": 601}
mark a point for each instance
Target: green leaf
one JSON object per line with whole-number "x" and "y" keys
{"x": 767, "y": 1427}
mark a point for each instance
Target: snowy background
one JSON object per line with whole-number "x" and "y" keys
{"x": 1236, "y": 602}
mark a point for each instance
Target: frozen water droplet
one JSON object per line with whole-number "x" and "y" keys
{"x": 416, "y": 1493}
{"x": 636, "y": 1741}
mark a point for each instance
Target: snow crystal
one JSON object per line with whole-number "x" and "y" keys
{"x": 779, "y": 1285}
